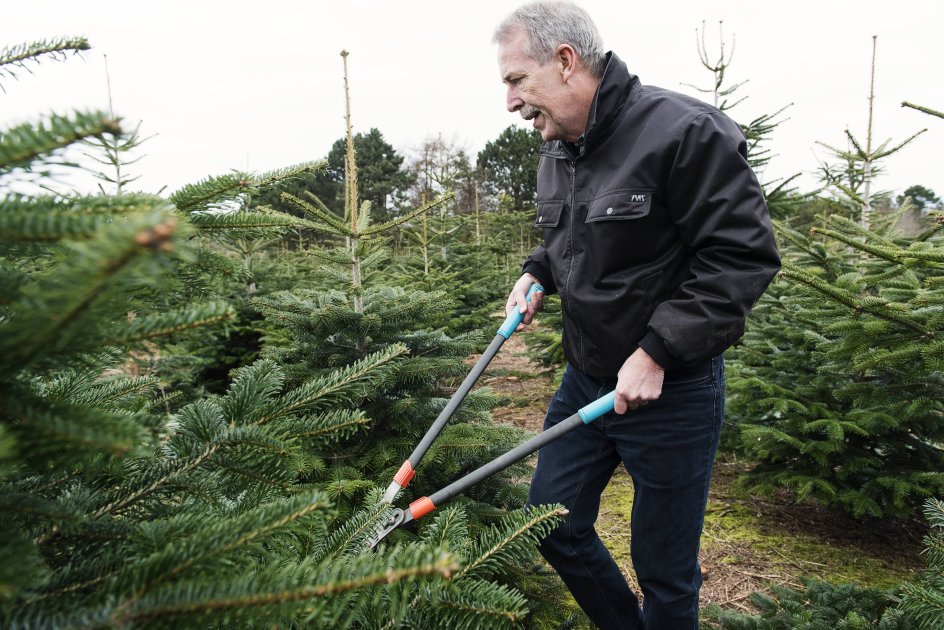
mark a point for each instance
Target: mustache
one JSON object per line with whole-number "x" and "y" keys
{"x": 529, "y": 111}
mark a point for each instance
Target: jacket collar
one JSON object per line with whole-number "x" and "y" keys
{"x": 612, "y": 95}
{"x": 614, "y": 92}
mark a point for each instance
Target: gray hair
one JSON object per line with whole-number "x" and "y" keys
{"x": 550, "y": 24}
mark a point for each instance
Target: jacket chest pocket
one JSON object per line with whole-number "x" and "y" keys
{"x": 548, "y": 214}
{"x": 620, "y": 205}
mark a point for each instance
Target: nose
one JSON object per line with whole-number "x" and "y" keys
{"x": 512, "y": 100}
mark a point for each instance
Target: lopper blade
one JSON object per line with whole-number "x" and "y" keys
{"x": 397, "y": 518}
{"x": 392, "y": 491}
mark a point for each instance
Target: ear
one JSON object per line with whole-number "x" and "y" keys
{"x": 566, "y": 58}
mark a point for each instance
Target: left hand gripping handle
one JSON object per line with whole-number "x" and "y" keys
{"x": 514, "y": 318}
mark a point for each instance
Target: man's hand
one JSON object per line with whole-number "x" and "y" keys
{"x": 518, "y": 299}
{"x": 638, "y": 382}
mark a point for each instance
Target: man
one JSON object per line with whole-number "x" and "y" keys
{"x": 658, "y": 240}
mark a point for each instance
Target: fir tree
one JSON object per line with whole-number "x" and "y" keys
{"x": 819, "y": 606}
{"x": 922, "y": 600}
{"x": 837, "y": 387}
{"x": 113, "y": 513}
{"x": 112, "y": 151}
{"x": 355, "y": 316}
{"x": 857, "y": 166}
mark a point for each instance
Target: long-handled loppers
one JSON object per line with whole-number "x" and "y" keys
{"x": 408, "y": 468}
{"x": 425, "y": 505}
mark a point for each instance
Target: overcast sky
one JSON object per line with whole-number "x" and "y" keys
{"x": 258, "y": 85}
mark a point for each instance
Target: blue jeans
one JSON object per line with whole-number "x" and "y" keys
{"x": 668, "y": 446}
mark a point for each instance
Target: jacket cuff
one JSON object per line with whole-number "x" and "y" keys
{"x": 540, "y": 272}
{"x": 654, "y": 346}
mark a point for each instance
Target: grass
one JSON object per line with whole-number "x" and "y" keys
{"x": 749, "y": 543}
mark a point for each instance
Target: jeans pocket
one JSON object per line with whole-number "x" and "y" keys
{"x": 696, "y": 376}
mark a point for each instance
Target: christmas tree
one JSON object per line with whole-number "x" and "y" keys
{"x": 837, "y": 387}
{"x": 118, "y": 508}
{"x": 354, "y": 315}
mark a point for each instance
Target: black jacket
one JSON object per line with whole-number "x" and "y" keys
{"x": 656, "y": 232}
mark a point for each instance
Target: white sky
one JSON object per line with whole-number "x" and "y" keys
{"x": 236, "y": 84}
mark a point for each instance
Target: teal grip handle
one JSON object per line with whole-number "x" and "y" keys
{"x": 597, "y": 408}
{"x": 514, "y": 318}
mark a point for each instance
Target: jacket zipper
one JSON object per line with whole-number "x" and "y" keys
{"x": 570, "y": 266}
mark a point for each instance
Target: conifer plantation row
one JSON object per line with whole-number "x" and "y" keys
{"x": 205, "y": 392}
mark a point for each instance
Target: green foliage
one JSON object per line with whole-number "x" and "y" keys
{"x": 922, "y": 600}
{"x": 379, "y": 174}
{"x": 545, "y": 344}
{"x": 113, "y": 151}
{"x": 782, "y": 200}
{"x": 349, "y": 315}
{"x": 325, "y": 333}
{"x": 217, "y": 193}
{"x": 230, "y": 260}
{"x": 20, "y": 57}
{"x": 324, "y": 221}
{"x": 473, "y": 285}
{"x": 25, "y": 145}
{"x": 113, "y": 512}
{"x": 478, "y": 595}
{"x": 836, "y": 388}
{"x": 851, "y": 173}
{"x": 819, "y": 606}
{"x": 65, "y": 304}
{"x": 381, "y": 179}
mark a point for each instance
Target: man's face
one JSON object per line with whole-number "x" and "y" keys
{"x": 537, "y": 91}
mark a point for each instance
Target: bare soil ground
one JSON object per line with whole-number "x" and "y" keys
{"x": 749, "y": 543}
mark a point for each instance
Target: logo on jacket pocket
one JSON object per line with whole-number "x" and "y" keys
{"x": 637, "y": 198}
